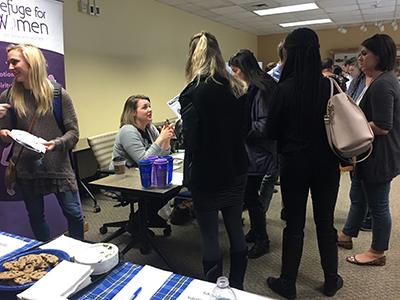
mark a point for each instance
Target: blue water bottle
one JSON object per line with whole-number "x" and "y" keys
{"x": 145, "y": 168}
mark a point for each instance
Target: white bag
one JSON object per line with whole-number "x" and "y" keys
{"x": 347, "y": 128}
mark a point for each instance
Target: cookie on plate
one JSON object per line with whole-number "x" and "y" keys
{"x": 11, "y": 266}
{"x": 29, "y": 268}
{"x": 38, "y": 274}
{"x": 34, "y": 259}
{"x": 7, "y": 275}
{"x": 50, "y": 258}
{"x": 23, "y": 280}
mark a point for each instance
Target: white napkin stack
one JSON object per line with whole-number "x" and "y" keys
{"x": 63, "y": 280}
{"x": 67, "y": 244}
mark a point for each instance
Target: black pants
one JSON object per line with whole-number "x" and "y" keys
{"x": 300, "y": 173}
{"x": 228, "y": 200}
{"x": 208, "y": 223}
{"x": 255, "y": 207}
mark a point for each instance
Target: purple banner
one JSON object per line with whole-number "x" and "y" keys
{"x": 47, "y": 14}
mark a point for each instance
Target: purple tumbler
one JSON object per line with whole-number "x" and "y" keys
{"x": 152, "y": 158}
{"x": 160, "y": 166}
{"x": 170, "y": 167}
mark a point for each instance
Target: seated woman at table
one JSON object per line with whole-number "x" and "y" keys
{"x": 137, "y": 139}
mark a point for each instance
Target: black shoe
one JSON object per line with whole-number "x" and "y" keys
{"x": 259, "y": 249}
{"x": 366, "y": 225}
{"x": 283, "y": 214}
{"x": 250, "y": 236}
{"x": 275, "y": 191}
{"x": 332, "y": 286}
{"x": 282, "y": 287}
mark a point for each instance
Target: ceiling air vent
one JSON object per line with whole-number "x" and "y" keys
{"x": 259, "y": 6}
{"x": 256, "y": 5}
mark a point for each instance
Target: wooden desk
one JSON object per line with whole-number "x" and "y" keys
{"x": 130, "y": 184}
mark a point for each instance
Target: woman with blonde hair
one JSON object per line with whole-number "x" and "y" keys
{"x": 215, "y": 167}
{"x": 31, "y": 109}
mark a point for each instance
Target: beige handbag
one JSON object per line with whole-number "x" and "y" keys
{"x": 349, "y": 134}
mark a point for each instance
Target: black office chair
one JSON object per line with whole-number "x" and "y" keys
{"x": 102, "y": 146}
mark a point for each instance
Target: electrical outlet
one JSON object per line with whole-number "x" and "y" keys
{"x": 83, "y": 6}
{"x": 92, "y": 8}
{"x": 97, "y": 10}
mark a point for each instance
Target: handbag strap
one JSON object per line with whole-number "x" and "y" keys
{"x": 334, "y": 83}
{"x": 29, "y": 130}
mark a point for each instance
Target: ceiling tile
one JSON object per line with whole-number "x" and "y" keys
{"x": 235, "y": 9}
{"x": 238, "y": 13}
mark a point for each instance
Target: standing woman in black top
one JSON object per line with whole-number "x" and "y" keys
{"x": 215, "y": 165}
{"x": 261, "y": 151}
{"x": 296, "y": 121}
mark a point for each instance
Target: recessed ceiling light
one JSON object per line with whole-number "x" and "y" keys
{"x": 308, "y": 22}
{"x": 286, "y": 9}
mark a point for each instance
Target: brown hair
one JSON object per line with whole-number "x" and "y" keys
{"x": 127, "y": 116}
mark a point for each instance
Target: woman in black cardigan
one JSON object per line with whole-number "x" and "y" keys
{"x": 215, "y": 158}
{"x": 263, "y": 166}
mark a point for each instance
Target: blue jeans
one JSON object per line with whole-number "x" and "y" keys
{"x": 375, "y": 196}
{"x": 70, "y": 205}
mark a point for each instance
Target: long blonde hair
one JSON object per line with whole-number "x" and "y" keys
{"x": 41, "y": 87}
{"x": 205, "y": 59}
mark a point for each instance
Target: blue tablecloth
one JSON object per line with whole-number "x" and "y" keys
{"x": 30, "y": 244}
{"x": 172, "y": 288}
{"x": 109, "y": 286}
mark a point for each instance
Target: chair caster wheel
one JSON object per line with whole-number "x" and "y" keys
{"x": 103, "y": 230}
{"x": 167, "y": 231}
{"x": 97, "y": 209}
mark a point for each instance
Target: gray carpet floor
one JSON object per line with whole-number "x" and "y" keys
{"x": 183, "y": 250}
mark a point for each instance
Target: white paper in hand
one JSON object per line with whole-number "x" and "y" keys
{"x": 175, "y": 106}
{"x": 28, "y": 140}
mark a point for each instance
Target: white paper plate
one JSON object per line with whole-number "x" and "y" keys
{"x": 28, "y": 140}
{"x": 102, "y": 257}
